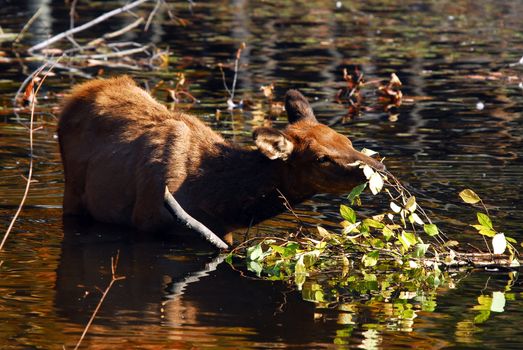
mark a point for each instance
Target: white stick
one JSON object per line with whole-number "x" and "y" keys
{"x": 89, "y": 24}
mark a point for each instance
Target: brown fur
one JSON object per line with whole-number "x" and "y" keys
{"x": 120, "y": 148}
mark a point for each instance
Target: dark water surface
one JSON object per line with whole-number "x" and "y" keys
{"x": 463, "y": 127}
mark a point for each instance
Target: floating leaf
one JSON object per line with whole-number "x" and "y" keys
{"x": 375, "y": 183}
{"x": 356, "y": 192}
{"x": 431, "y": 229}
{"x": 484, "y": 220}
{"x": 499, "y": 243}
{"x": 348, "y": 213}
{"x": 469, "y": 196}
{"x": 482, "y": 316}
{"x": 498, "y": 302}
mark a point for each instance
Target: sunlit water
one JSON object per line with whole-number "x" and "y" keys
{"x": 460, "y": 126}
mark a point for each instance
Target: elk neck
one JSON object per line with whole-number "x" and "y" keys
{"x": 243, "y": 185}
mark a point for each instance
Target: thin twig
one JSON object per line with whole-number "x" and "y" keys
{"x": 72, "y": 14}
{"x": 152, "y": 14}
{"x": 30, "y": 173}
{"x": 116, "y": 33}
{"x": 28, "y": 25}
{"x": 230, "y": 100}
{"x": 236, "y": 64}
{"x": 114, "y": 54}
{"x": 114, "y": 278}
{"x": 85, "y": 26}
{"x": 288, "y": 206}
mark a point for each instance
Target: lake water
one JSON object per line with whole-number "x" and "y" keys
{"x": 460, "y": 126}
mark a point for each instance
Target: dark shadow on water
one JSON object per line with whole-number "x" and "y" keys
{"x": 175, "y": 284}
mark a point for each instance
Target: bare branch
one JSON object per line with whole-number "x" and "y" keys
{"x": 114, "y": 278}
{"x": 152, "y": 14}
{"x": 30, "y": 173}
{"x": 87, "y": 25}
{"x": 28, "y": 25}
{"x": 191, "y": 223}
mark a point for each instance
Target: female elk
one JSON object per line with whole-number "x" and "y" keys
{"x": 121, "y": 148}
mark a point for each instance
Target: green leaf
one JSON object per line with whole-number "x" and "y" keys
{"x": 469, "y": 196}
{"x": 411, "y": 236}
{"x": 421, "y": 250}
{"x": 310, "y": 258}
{"x": 482, "y": 317}
{"x": 511, "y": 240}
{"x": 387, "y": 232}
{"x": 255, "y": 252}
{"x": 254, "y": 267}
{"x": 431, "y": 229}
{"x": 411, "y": 204}
{"x": 348, "y": 214}
{"x": 323, "y": 232}
{"x": 485, "y": 231}
{"x": 300, "y": 268}
{"x": 373, "y": 223}
{"x": 407, "y": 239}
{"x": 371, "y": 258}
{"x": 484, "y": 220}
{"x": 356, "y": 192}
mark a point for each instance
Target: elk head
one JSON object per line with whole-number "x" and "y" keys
{"x": 316, "y": 158}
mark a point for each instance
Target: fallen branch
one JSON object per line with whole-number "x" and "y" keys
{"x": 85, "y": 26}
{"x": 190, "y": 222}
{"x": 116, "y": 33}
{"x": 114, "y": 54}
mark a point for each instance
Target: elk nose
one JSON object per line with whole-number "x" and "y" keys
{"x": 374, "y": 163}
{"x": 380, "y": 166}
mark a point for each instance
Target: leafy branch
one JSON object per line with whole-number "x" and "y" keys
{"x": 402, "y": 240}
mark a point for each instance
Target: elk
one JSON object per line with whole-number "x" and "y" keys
{"x": 129, "y": 160}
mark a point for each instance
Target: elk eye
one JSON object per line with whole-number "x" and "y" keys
{"x": 323, "y": 159}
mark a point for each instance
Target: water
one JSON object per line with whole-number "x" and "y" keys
{"x": 453, "y": 58}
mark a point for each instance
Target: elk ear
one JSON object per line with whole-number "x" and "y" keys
{"x": 298, "y": 108}
{"x": 273, "y": 143}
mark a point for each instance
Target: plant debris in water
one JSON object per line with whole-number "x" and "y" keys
{"x": 398, "y": 251}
